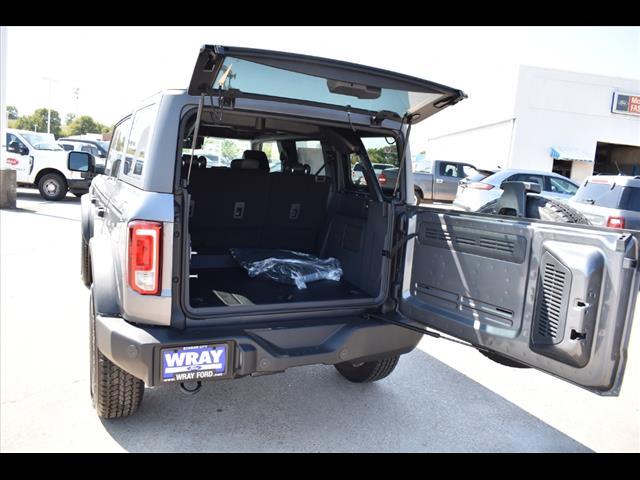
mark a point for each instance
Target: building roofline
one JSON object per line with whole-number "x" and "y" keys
{"x": 472, "y": 128}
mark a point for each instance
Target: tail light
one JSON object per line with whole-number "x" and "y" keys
{"x": 144, "y": 256}
{"x": 479, "y": 185}
{"x": 615, "y": 222}
{"x": 382, "y": 178}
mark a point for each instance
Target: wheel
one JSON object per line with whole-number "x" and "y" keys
{"x": 367, "y": 371}
{"x": 85, "y": 263}
{"x": 52, "y": 187}
{"x": 418, "y": 196}
{"x": 544, "y": 209}
{"x": 114, "y": 392}
{"x": 503, "y": 360}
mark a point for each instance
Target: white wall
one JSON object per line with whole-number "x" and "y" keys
{"x": 3, "y": 82}
{"x": 555, "y": 108}
{"x": 485, "y": 147}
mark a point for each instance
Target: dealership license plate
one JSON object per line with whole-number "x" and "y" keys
{"x": 194, "y": 362}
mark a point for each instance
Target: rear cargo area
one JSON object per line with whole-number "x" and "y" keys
{"x": 246, "y": 206}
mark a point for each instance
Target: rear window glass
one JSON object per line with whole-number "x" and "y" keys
{"x": 630, "y": 199}
{"x": 600, "y": 194}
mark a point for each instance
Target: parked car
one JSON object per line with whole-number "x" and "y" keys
{"x": 41, "y": 163}
{"x": 174, "y": 301}
{"x": 378, "y": 168}
{"x": 610, "y": 200}
{"x": 434, "y": 180}
{"x": 478, "y": 190}
{"x": 96, "y": 148}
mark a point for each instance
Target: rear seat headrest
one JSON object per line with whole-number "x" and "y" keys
{"x": 249, "y": 164}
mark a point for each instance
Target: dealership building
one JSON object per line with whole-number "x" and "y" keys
{"x": 571, "y": 123}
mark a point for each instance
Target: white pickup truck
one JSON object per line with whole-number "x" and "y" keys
{"x": 40, "y": 162}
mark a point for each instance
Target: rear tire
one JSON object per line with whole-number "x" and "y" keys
{"x": 115, "y": 393}
{"x": 368, "y": 371}
{"x": 52, "y": 186}
{"x": 85, "y": 263}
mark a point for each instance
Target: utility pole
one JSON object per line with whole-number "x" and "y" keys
{"x": 50, "y": 80}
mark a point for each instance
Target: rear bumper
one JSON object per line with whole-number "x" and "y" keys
{"x": 256, "y": 351}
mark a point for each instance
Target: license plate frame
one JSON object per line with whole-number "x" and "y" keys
{"x": 182, "y": 365}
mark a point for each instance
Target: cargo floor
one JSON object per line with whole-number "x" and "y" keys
{"x": 233, "y": 286}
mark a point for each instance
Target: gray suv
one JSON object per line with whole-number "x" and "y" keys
{"x": 610, "y": 200}
{"x": 204, "y": 273}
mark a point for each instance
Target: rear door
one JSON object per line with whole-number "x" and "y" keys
{"x": 557, "y": 297}
{"x": 233, "y": 72}
{"x": 447, "y": 178}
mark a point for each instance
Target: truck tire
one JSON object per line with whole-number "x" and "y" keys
{"x": 85, "y": 263}
{"x": 114, "y": 392}
{"x": 542, "y": 209}
{"x": 52, "y": 186}
{"x": 368, "y": 371}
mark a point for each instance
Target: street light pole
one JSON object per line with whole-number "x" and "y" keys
{"x": 49, "y": 105}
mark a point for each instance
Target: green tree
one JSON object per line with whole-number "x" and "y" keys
{"x": 84, "y": 124}
{"x": 38, "y": 121}
{"x": 229, "y": 150}
{"x": 12, "y": 112}
{"x": 383, "y": 155}
{"x": 69, "y": 118}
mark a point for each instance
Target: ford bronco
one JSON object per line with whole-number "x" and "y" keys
{"x": 170, "y": 303}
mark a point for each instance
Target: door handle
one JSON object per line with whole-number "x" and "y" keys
{"x": 100, "y": 212}
{"x": 439, "y": 180}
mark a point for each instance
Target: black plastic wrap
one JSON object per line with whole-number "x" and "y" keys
{"x": 287, "y": 266}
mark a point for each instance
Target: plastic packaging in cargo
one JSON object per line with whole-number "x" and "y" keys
{"x": 287, "y": 266}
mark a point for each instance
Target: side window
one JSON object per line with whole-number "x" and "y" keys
{"x": 67, "y": 147}
{"x": 526, "y": 177}
{"x": 383, "y": 154}
{"x": 116, "y": 150}
{"x": 273, "y": 155}
{"x": 310, "y": 153}
{"x": 558, "y": 185}
{"x": 12, "y": 138}
{"x": 450, "y": 169}
{"x": 139, "y": 141}
{"x": 89, "y": 149}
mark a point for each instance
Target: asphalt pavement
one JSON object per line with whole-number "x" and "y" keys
{"x": 442, "y": 396}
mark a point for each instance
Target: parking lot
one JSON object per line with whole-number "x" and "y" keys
{"x": 442, "y": 396}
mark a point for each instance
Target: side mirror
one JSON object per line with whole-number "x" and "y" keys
{"x": 81, "y": 162}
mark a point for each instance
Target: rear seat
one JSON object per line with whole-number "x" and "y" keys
{"x": 245, "y": 206}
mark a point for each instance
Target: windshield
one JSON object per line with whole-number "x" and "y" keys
{"x": 41, "y": 142}
{"x": 250, "y": 77}
{"x": 104, "y": 145}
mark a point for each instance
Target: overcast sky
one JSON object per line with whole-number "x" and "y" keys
{"x": 115, "y": 67}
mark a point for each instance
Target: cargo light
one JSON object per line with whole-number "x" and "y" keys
{"x": 479, "y": 186}
{"x": 615, "y": 222}
{"x": 144, "y": 256}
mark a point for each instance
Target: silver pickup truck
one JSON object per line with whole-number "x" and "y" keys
{"x": 433, "y": 180}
